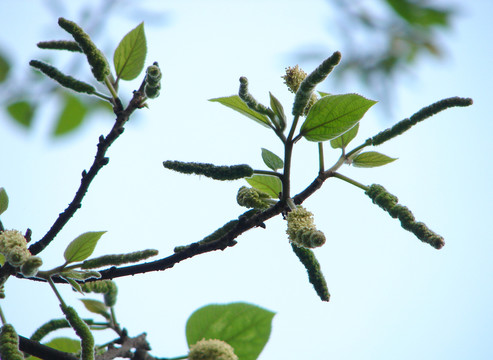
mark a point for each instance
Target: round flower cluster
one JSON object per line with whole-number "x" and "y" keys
{"x": 211, "y": 349}
{"x": 14, "y": 247}
{"x": 301, "y": 229}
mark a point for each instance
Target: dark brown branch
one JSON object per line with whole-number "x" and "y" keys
{"x": 100, "y": 160}
{"x": 42, "y": 351}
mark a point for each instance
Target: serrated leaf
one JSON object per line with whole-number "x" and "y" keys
{"x": 234, "y": 102}
{"x": 271, "y": 185}
{"x": 71, "y": 117}
{"x": 4, "y": 68}
{"x": 333, "y": 115}
{"x": 371, "y": 159}
{"x": 342, "y": 141}
{"x": 278, "y": 110}
{"x": 130, "y": 55}
{"x": 96, "y": 307}
{"x": 22, "y": 112}
{"x": 4, "y": 200}
{"x": 82, "y": 246}
{"x": 244, "y": 326}
{"x": 272, "y": 161}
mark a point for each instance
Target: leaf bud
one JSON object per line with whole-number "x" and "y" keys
{"x": 31, "y": 266}
{"x": 252, "y": 198}
{"x": 211, "y": 349}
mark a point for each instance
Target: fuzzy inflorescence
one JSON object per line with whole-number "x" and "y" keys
{"x": 389, "y": 203}
{"x": 153, "y": 81}
{"x": 210, "y": 170}
{"x": 211, "y": 349}
{"x": 252, "y": 198}
{"x": 302, "y": 230}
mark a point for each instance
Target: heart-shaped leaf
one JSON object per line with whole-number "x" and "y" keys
{"x": 244, "y": 326}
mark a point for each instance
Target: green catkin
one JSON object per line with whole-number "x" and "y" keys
{"x": 211, "y": 349}
{"x": 60, "y": 45}
{"x": 99, "y": 65}
{"x": 215, "y": 172}
{"x": 304, "y": 93}
{"x": 302, "y": 230}
{"x": 82, "y": 331}
{"x": 153, "y": 81}
{"x": 210, "y": 238}
{"x": 49, "y": 327}
{"x": 106, "y": 287}
{"x": 421, "y": 115}
{"x": 31, "y": 266}
{"x": 252, "y": 198}
{"x": 312, "y": 266}
{"x": 9, "y": 344}
{"x": 250, "y": 100}
{"x": 64, "y": 80}
{"x": 389, "y": 203}
{"x": 118, "y": 259}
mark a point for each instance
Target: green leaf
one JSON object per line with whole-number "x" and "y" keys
{"x": 322, "y": 94}
{"x": 272, "y": 161}
{"x": 130, "y": 55}
{"x": 96, "y": 307}
{"x": 278, "y": 110}
{"x": 4, "y": 200}
{"x": 2, "y": 259}
{"x": 71, "y": 117}
{"x": 80, "y": 274}
{"x": 342, "y": 141}
{"x": 244, "y": 326}
{"x": 64, "y": 344}
{"x": 371, "y": 159}
{"x": 333, "y": 115}
{"x": 75, "y": 285}
{"x": 82, "y": 246}
{"x": 234, "y": 102}
{"x": 4, "y": 68}
{"x": 271, "y": 185}
{"x": 22, "y": 112}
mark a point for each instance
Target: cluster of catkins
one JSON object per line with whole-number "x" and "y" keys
{"x": 302, "y": 230}
{"x": 13, "y": 246}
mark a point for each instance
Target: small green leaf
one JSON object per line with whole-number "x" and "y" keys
{"x": 75, "y": 285}
{"x": 4, "y": 68}
{"x": 271, "y": 185}
{"x": 4, "y": 200}
{"x": 71, "y": 117}
{"x": 342, "y": 141}
{"x": 130, "y": 55}
{"x": 244, "y": 326}
{"x": 96, "y": 307}
{"x": 333, "y": 115}
{"x": 22, "y": 112}
{"x": 272, "y": 161}
{"x": 80, "y": 274}
{"x": 371, "y": 159}
{"x": 2, "y": 259}
{"x": 234, "y": 102}
{"x": 322, "y": 94}
{"x": 278, "y": 110}
{"x": 82, "y": 246}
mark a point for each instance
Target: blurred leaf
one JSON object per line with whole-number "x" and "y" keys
{"x": 4, "y": 200}
{"x": 333, "y": 115}
{"x": 234, "y": 102}
{"x": 22, "y": 112}
{"x": 71, "y": 117}
{"x": 80, "y": 274}
{"x": 2, "y": 259}
{"x": 82, "y": 246}
{"x": 416, "y": 13}
{"x": 4, "y": 68}
{"x": 271, "y": 185}
{"x": 272, "y": 161}
{"x": 96, "y": 307}
{"x": 75, "y": 285}
{"x": 342, "y": 141}
{"x": 244, "y": 326}
{"x": 130, "y": 55}
{"x": 371, "y": 159}
{"x": 63, "y": 344}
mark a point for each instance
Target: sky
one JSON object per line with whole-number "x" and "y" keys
{"x": 391, "y": 295}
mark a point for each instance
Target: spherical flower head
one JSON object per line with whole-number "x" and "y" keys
{"x": 293, "y": 78}
{"x": 13, "y": 245}
{"x": 299, "y": 220}
{"x": 211, "y": 349}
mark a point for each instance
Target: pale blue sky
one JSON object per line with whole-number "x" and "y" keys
{"x": 392, "y": 296}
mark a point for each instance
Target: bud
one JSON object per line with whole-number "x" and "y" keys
{"x": 252, "y": 198}
{"x": 31, "y": 266}
{"x": 211, "y": 349}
